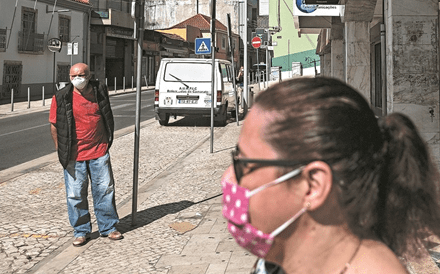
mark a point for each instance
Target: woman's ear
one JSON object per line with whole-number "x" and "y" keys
{"x": 319, "y": 177}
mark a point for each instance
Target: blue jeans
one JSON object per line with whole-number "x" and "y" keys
{"x": 76, "y": 177}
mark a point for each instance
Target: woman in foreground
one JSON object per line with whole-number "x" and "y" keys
{"x": 320, "y": 185}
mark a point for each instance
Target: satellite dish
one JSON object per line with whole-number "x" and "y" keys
{"x": 54, "y": 45}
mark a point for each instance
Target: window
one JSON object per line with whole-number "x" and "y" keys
{"x": 225, "y": 73}
{"x": 223, "y": 42}
{"x": 63, "y": 73}
{"x": 64, "y": 28}
{"x": 28, "y": 29}
{"x": 188, "y": 72}
{"x": 2, "y": 39}
{"x": 12, "y": 72}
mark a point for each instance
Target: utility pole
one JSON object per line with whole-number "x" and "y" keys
{"x": 213, "y": 89}
{"x": 246, "y": 67}
{"x": 139, "y": 15}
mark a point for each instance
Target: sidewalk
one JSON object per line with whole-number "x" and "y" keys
{"x": 179, "y": 227}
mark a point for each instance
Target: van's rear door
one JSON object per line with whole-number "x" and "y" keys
{"x": 188, "y": 85}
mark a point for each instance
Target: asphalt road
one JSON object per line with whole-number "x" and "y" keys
{"x": 27, "y": 137}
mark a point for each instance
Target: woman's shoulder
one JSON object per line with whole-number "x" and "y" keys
{"x": 376, "y": 257}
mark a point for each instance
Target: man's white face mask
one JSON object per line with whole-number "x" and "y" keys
{"x": 80, "y": 82}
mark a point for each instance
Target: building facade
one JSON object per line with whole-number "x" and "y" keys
{"x": 27, "y": 62}
{"x": 388, "y": 50}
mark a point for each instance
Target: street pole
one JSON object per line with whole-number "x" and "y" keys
{"x": 140, "y": 17}
{"x": 213, "y": 3}
{"x": 246, "y": 67}
{"x": 231, "y": 49}
{"x": 53, "y": 78}
{"x": 289, "y": 64}
{"x": 267, "y": 66}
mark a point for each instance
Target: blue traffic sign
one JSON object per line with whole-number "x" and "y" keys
{"x": 203, "y": 45}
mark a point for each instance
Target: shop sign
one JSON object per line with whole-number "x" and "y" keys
{"x": 300, "y": 8}
{"x": 120, "y": 33}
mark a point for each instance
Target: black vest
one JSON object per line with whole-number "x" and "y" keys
{"x": 65, "y": 121}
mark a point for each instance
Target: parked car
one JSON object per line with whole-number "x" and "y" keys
{"x": 183, "y": 88}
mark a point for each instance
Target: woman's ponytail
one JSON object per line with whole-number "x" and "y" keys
{"x": 408, "y": 205}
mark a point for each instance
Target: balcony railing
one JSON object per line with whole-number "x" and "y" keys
{"x": 30, "y": 42}
{"x": 3, "y": 40}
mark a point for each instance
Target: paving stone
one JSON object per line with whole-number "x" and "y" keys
{"x": 179, "y": 181}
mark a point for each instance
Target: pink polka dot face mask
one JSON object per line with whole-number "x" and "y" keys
{"x": 236, "y": 211}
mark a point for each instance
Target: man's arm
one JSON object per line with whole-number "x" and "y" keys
{"x": 53, "y": 132}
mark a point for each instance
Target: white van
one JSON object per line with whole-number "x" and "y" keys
{"x": 183, "y": 87}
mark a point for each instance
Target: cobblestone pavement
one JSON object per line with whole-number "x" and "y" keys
{"x": 179, "y": 227}
{"x": 34, "y": 223}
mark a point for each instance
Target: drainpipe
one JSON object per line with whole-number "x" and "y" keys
{"x": 383, "y": 70}
{"x": 89, "y": 22}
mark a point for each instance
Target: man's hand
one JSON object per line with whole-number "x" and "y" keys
{"x": 53, "y": 132}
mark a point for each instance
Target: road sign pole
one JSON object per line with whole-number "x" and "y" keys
{"x": 213, "y": 3}
{"x": 246, "y": 62}
{"x": 231, "y": 49}
{"x": 141, "y": 7}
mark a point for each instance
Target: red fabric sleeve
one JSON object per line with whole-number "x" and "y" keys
{"x": 53, "y": 111}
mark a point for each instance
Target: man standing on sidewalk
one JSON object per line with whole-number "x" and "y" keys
{"x": 82, "y": 128}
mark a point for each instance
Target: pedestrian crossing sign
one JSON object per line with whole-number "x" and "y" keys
{"x": 203, "y": 45}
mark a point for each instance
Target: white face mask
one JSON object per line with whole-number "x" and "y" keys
{"x": 79, "y": 82}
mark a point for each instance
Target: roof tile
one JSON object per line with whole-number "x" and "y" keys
{"x": 200, "y": 21}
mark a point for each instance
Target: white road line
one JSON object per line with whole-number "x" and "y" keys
{"x": 122, "y": 106}
{"x": 9, "y": 133}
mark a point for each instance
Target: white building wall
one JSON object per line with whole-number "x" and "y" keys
{"x": 38, "y": 68}
{"x": 162, "y": 14}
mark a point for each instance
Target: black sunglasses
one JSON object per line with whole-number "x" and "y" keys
{"x": 241, "y": 163}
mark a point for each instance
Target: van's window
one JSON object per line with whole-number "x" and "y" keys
{"x": 188, "y": 72}
{"x": 225, "y": 74}
{"x": 229, "y": 72}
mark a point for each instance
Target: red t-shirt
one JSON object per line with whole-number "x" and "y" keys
{"x": 91, "y": 141}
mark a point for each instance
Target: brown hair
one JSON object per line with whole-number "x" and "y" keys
{"x": 388, "y": 182}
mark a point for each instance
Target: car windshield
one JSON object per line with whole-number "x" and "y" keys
{"x": 188, "y": 72}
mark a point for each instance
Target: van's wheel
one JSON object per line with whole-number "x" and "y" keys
{"x": 233, "y": 114}
{"x": 163, "y": 120}
{"x": 221, "y": 122}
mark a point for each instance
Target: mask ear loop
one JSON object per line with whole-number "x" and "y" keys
{"x": 289, "y": 222}
{"x": 281, "y": 179}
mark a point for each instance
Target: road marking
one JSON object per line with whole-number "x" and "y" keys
{"x": 122, "y": 106}
{"x": 9, "y": 133}
{"x": 113, "y": 108}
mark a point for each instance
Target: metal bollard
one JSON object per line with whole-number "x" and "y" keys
{"x": 106, "y": 81}
{"x": 132, "y": 83}
{"x": 42, "y": 92}
{"x": 146, "y": 84}
{"x": 123, "y": 83}
{"x": 12, "y": 100}
{"x": 29, "y": 97}
{"x": 115, "y": 84}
